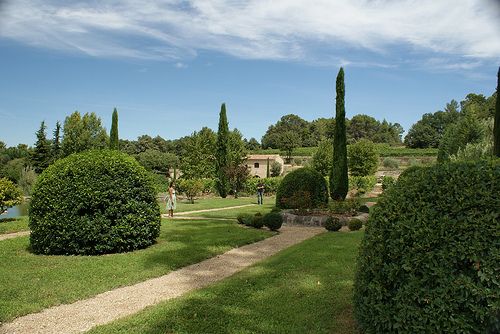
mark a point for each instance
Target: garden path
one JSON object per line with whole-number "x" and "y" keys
{"x": 82, "y": 315}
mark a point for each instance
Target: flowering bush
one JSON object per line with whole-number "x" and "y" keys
{"x": 300, "y": 202}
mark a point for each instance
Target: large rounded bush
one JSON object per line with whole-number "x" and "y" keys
{"x": 305, "y": 179}
{"x": 429, "y": 260}
{"x": 93, "y": 203}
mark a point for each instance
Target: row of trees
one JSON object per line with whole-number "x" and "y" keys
{"x": 428, "y": 132}
{"x": 293, "y": 129}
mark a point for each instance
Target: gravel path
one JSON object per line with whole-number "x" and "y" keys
{"x": 81, "y": 316}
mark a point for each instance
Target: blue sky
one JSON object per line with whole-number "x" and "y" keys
{"x": 167, "y": 66}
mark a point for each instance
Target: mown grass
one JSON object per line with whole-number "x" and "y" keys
{"x": 30, "y": 283}
{"x": 306, "y": 288}
{"x": 210, "y": 203}
{"x": 12, "y": 225}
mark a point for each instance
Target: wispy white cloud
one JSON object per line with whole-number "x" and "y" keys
{"x": 359, "y": 32}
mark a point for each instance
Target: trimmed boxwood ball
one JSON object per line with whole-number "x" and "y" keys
{"x": 305, "y": 179}
{"x": 93, "y": 203}
{"x": 256, "y": 220}
{"x": 355, "y": 224}
{"x": 429, "y": 259}
{"x": 272, "y": 220}
{"x": 333, "y": 224}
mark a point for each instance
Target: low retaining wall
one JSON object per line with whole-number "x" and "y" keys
{"x": 291, "y": 219}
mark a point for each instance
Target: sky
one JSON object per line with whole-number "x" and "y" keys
{"x": 167, "y": 66}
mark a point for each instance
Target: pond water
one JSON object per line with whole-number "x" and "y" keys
{"x": 16, "y": 211}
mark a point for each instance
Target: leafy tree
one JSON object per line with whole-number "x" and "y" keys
{"x": 198, "y": 161}
{"x": 287, "y": 123}
{"x": 114, "y": 142}
{"x": 496, "y": 131}
{"x": 27, "y": 179}
{"x": 339, "y": 182}
{"x": 236, "y": 169}
{"x": 458, "y": 135}
{"x": 288, "y": 141}
{"x": 157, "y": 162}
{"x": 252, "y": 144}
{"x": 222, "y": 156}
{"x": 322, "y": 158}
{"x": 191, "y": 187}
{"x": 275, "y": 169}
{"x": 10, "y": 195}
{"x": 363, "y": 158}
{"x": 83, "y": 133}
{"x": 42, "y": 156}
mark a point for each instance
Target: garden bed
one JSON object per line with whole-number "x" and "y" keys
{"x": 291, "y": 219}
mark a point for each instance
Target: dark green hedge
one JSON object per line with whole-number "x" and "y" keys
{"x": 306, "y": 179}
{"x": 429, "y": 260}
{"x": 93, "y": 203}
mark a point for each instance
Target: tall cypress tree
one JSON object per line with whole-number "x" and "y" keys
{"x": 268, "y": 174}
{"x": 56, "y": 143}
{"x": 113, "y": 134}
{"x": 222, "y": 154}
{"x": 42, "y": 155}
{"x": 496, "y": 130}
{"x": 339, "y": 182}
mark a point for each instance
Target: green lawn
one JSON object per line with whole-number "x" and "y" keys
{"x": 30, "y": 283}
{"x": 12, "y": 225}
{"x": 306, "y": 288}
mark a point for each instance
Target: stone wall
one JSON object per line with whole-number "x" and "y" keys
{"x": 290, "y": 219}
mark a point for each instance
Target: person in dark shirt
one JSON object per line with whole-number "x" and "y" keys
{"x": 260, "y": 193}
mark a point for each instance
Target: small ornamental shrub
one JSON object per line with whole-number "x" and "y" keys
{"x": 247, "y": 220}
{"x": 364, "y": 208}
{"x": 387, "y": 182}
{"x": 256, "y": 221}
{"x": 347, "y": 207}
{"x": 305, "y": 179}
{"x": 240, "y": 217}
{"x": 333, "y": 224}
{"x": 355, "y": 224}
{"x": 93, "y": 203}
{"x": 428, "y": 262}
{"x": 272, "y": 221}
{"x": 390, "y": 163}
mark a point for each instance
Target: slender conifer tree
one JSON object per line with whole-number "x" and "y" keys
{"x": 222, "y": 154}
{"x": 113, "y": 134}
{"x": 339, "y": 182}
{"x": 496, "y": 129}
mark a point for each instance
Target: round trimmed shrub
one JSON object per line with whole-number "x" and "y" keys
{"x": 272, "y": 221}
{"x": 93, "y": 203}
{"x": 240, "y": 217}
{"x": 364, "y": 208}
{"x": 305, "y": 179}
{"x": 355, "y": 224}
{"x": 256, "y": 221}
{"x": 429, "y": 259}
{"x": 333, "y": 224}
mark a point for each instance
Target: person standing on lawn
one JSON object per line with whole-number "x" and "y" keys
{"x": 172, "y": 200}
{"x": 260, "y": 193}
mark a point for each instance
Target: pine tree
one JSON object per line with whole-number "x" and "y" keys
{"x": 222, "y": 154}
{"x": 42, "y": 156}
{"x": 113, "y": 134}
{"x": 496, "y": 130}
{"x": 339, "y": 182}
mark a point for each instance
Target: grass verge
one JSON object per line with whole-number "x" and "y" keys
{"x": 306, "y": 288}
{"x": 12, "y": 225}
{"x": 30, "y": 282}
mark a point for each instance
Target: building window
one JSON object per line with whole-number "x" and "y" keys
{"x": 256, "y": 165}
